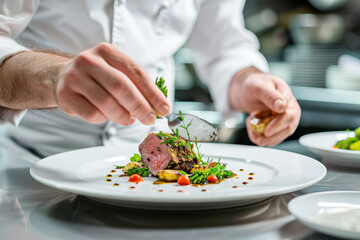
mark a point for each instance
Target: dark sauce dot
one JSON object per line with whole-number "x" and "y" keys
{"x": 180, "y": 191}
{"x": 251, "y": 174}
{"x": 132, "y": 187}
{"x": 203, "y": 190}
{"x": 235, "y": 186}
{"x": 108, "y": 180}
{"x": 245, "y": 183}
{"x": 160, "y": 190}
{"x": 250, "y": 178}
{"x": 148, "y": 159}
{"x": 112, "y": 171}
{"x": 115, "y": 184}
{"x": 109, "y": 175}
{"x": 241, "y": 170}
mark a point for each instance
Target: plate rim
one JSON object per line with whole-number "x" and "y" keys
{"x": 264, "y": 193}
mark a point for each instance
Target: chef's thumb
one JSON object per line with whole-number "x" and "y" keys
{"x": 275, "y": 100}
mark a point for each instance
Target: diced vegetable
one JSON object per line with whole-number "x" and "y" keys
{"x": 131, "y": 165}
{"x": 212, "y": 179}
{"x": 183, "y": 180}
{"x": 169, "y": 175}
{"x": 357, "y": 132}
{"x": 355, "y": 146}
{"x": 199, "y": 168}
{"x": 350, "y": 143}
{"x": 135, "y": 178}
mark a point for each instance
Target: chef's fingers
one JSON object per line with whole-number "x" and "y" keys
{"x": 254, "y": 136}
{"x": 138, "y": 76}
{"x": 273, "y": 97}
{"x": 102, "y": 100}
{"x": 290, "y": 118}
{"x": 118, "y": 85}
{"x": 81, "y": 107}
{"x": 275, "y": 139}
{"x": 278, "y": 129}
{"x": 277, "y": 124}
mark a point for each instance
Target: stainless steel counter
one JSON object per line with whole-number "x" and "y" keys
{"x": 29, "y": 210}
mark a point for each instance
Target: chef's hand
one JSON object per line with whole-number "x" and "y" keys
{"x": 252, "y": 90}
{"x": 103, "y": 83}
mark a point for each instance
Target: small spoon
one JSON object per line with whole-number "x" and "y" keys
{"x": 199, "y": 129}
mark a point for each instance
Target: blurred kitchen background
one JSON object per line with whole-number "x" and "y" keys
{"x": 314, "y": 45}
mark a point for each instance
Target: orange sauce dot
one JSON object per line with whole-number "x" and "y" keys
{"x": 115, "y": 184}
{"x": 250, "y": 178}
{"x": 251, "y": 174}
{"x": 160, "y": 190}
{"x": 241, "y": 170}
{"x": 245, "y": 183}
{"x": 108, "y": 180}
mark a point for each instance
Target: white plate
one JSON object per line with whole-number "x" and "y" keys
{"x": 84, "y": 172}
{"x": 328, "y": 212}
{"x": 322, "y": 143}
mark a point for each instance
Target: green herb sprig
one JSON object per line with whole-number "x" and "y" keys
{"x": 160, "y": 82}
{"x": 118, "y": 166}
{"x": 218, "y": 170}
{"x": 136, "y": 158}
{"x": 142, "y": 171}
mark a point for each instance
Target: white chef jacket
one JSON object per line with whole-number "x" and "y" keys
{"x": 149, "y": 31}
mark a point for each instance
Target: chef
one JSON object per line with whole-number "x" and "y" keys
{"x": 92, "y": 64}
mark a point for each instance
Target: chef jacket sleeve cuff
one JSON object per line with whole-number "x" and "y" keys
{"x": 224, "y": 70}
{"x": 9, "y": 47}
{"x": 11, "y": 116}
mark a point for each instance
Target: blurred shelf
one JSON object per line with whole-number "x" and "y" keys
{"x": 325, "y": 99}
{"x": 330, "y": 109}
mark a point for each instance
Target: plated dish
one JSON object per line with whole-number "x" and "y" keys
{"x": 336, "y": 213}
{"x": 350, "y": 143}
{"x": 322, "y": 145}
{"x": 85, "y": 172}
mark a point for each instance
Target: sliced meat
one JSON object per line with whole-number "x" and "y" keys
{"x": 157, "y": 156}
{"x": 154, "y": 155}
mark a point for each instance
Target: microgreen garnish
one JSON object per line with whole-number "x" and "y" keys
{"x": 136, "y": 158}
{"x": 160, "y": 82}
{"x": 181, "y": 117}
{"x": 118, "y": 167}
{"x": 182, "y": 172}
{"x": 142, "y": 171}
{"x": 199, "y": 177}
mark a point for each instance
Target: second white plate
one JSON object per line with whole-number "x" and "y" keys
{"x": 322, "y": 144}
{"x": 336, "y": 213}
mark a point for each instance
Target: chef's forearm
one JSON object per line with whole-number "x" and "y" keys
{"x": 28, "y": 80}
